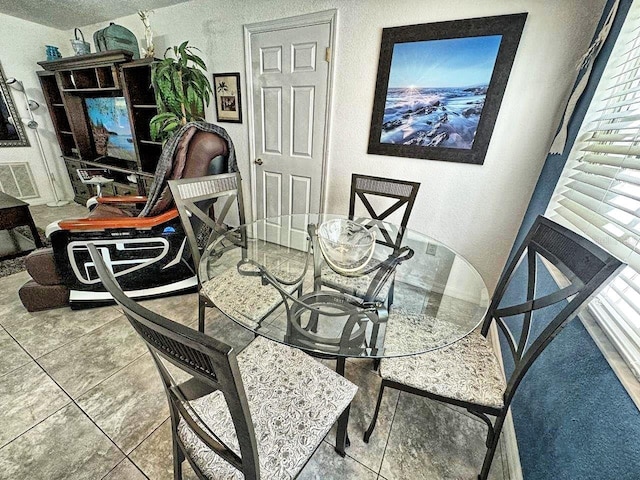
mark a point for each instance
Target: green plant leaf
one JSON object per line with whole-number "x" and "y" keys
{"x": 192, "y": 96}
{"x": 182, "y": 54}
{"x": 181, "y": 89}
{"x": 170, "y": 126}
{"x": 164, "y": 116}
{"x": 159, "y": 125}
{"x": 197, "y": 60}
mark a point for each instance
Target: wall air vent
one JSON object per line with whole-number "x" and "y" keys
{"x": 16, "y": 180}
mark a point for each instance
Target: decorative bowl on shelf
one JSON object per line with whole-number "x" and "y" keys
{"x": 346, "y": 245}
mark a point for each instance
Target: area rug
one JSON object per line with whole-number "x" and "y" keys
{"x": 15, "y": 265}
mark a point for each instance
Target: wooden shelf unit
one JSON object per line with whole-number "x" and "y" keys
{"x": 67, "y": 82}
{"x": 58, "y": 113}
{"x": 141, "y": 97}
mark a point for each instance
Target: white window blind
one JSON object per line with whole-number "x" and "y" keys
{"x": 598, "y": 194}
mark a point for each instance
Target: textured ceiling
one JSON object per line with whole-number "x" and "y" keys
{"x": 67, "y": 14}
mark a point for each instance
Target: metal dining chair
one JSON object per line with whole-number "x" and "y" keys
{"x": 363, "y": 187}
{"x": 259, "y": 414}
{"x": 196, "y": 199}
{"x": 467, "y": 373}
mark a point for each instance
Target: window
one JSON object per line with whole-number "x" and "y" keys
{"x": 598, "y": 194}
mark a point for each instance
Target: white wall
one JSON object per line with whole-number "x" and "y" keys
{"x": 475, "y": 209}
{"x": 22, "y": 44}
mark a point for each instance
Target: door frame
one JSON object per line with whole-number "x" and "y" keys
{"x": 329, "y": 17}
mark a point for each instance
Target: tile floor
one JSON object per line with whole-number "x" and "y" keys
{"x": 80, "y": 398}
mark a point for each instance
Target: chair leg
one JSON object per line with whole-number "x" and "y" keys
{"x": 201, "y": 309}
{"x": 390, "y": 295}
{"x": 376, "y": 364}
{"x": 342, "y": 439}
{"x": 178, "y": 459}
{"x": 313, "y": 323}
{"x": 372, "y": 425}
{"x": 492, "y": 445}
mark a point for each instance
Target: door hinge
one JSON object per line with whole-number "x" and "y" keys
{"x": 327, "y": 55}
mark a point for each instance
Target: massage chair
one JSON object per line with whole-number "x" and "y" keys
{"x": 147, "y": 254}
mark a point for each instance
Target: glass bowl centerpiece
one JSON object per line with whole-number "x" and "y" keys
{"x": 346, "y": 245}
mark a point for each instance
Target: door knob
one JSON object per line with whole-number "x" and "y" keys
{"x": 258, "y": 161}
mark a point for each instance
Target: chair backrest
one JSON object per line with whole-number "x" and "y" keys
{"x": 402, "y": 191}
{"x": 208, "y": 360}
{"x": 195, "y": 199}
{"x": 586, "y": 267}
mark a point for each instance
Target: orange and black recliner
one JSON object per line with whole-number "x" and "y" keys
{"x": 147, "y": 253}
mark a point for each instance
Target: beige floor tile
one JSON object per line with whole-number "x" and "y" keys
{"x": 42, "y": 332}
{"x": 154, "y": 456}
{"x": 27, "y": 396}
{"x": 180, "y": 308}
{"x": 326, "y": 464}
{"x": 92, "y": 358}
{"x": 9, "y": 300}
{"x": 67, "y": 445}
{"x": 129, "y": 405}
{"x": 125, "y": 470}
{"x": 429, "y": 440}
{"x": 12, "y": 354}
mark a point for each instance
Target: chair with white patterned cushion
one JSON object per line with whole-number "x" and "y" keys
{"x": 467, "y": 373}
{"x": 195, "y": 199}
{"x": 363, "y": 187}
{"x": 260, "y": 414}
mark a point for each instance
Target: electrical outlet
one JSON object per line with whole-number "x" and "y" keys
{"x": 432, "y": 249}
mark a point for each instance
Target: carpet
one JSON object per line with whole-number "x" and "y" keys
{"x": 15, "y": 265}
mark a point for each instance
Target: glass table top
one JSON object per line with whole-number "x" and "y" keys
{"x": 270, "y": 276}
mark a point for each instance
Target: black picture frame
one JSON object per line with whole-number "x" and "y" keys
{"x": 509, "y": 27}
{"x": 12, "y": 133}
{"x": 228, "y": 97}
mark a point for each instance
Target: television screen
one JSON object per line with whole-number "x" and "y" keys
{"x": 110, "y": 126}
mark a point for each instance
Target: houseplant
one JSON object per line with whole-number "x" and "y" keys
{"x": 182, "y": 90}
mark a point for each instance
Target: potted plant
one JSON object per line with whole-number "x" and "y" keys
{"x": 182, "y": 90}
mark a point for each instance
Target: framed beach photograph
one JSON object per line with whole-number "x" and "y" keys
{"x": 226, "y": 87}
{"x": 440, "y": 86}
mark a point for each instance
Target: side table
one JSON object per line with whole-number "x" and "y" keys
{"x": 15, "y": 213}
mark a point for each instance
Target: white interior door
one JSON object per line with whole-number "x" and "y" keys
{"x": 290, "y": 81}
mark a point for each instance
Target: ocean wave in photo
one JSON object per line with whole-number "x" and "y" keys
{"x": 433, "y": 117}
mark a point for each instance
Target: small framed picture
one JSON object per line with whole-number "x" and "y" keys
{"x": 226, "y": 88}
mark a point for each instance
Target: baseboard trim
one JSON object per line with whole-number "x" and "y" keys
{"x": 510, "y": 448}
{"x": 508, "y": 439}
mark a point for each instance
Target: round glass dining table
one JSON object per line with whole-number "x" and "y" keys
{"x": 413, "y": 295}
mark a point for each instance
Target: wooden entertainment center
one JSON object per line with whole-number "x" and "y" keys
{"x": 67, "y": 83}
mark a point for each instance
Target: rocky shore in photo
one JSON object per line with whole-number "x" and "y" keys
{"x": 442, "y": 117}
